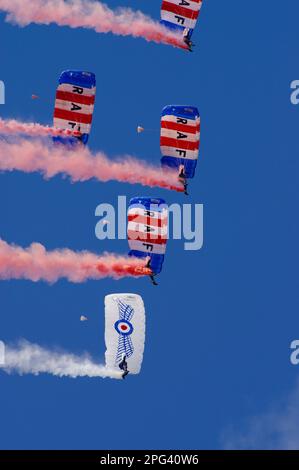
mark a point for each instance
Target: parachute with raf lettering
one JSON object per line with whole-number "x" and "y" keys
{"x": 74, "y": 106}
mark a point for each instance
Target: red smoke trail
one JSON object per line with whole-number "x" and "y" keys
{"x": 81, "y": 165}
{"x": 13, "y": 127}
{"x": 36, "y": 264}
{"x": 89, "y": 14}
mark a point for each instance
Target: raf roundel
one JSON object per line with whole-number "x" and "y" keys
{"x": 124, "y": 327}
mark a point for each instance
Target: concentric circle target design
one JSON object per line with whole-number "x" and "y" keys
{"x": 124, "y": 327}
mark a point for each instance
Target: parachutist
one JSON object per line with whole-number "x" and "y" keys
{"x": 185, "y": 184}
{"x": 123, "y": 365}
{"x": 154, "y": 282}
{"x": 124, "y": 334}
{"x": 183, "y": 179}
{"x": 180, "y": 148}
{"x": 147, "y": 233}
{"x": 187, "y": 39}
{"x": 189, "y": 44}
{"x": 75, "y": 97}
{"x": 152, "y": 277}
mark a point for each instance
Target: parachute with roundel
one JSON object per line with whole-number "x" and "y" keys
{"x": 180, "y": 15}
{"x": 147, "y": 230}
{"x": 180, "y": 138}
{"x": 74, "y": 105}
{"x": 124, "y": 331}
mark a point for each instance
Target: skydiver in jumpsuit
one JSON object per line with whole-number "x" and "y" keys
{"x": 187, "y": 39}
{"x": 183, "y": 179}
{"x": 123, "y": 365}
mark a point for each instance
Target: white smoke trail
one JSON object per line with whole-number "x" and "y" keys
{"x": 28, "y": 358}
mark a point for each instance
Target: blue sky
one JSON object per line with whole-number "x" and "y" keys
{"x": 220, "y": 323}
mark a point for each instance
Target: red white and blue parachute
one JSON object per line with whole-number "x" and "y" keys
{"x": 180, "y": 138}
{"x": 180, "y": 14}
{"x": 74, "y": 105}
{"x": 148, "y": 230}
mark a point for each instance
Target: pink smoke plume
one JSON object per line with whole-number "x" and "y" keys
{"x": 13, "y": 127}
{"x": 81, "y": 165}
{"x": 89, "y": 14}
{"x": 36, "y": 264}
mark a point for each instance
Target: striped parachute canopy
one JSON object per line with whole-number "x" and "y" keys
{"x": 124, "y": 331}
{"x": 147, "y": 230}
{"x": 74, "y": 105}
{"x": 180, "y": 14}
{"x": 180, "y": 138}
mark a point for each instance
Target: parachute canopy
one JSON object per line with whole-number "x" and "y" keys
{"x": 147, "y": 230}
{"x": 83, "y": 318}
{"x": 74, "y": 105}
{"x": 180, "y": 138}
{"x": 180, "y": 14}
{"x": 124, "y": 331}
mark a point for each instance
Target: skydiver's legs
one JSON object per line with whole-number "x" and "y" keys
{"x": 188, "y": 43}
{"x": 152, "y": 277}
